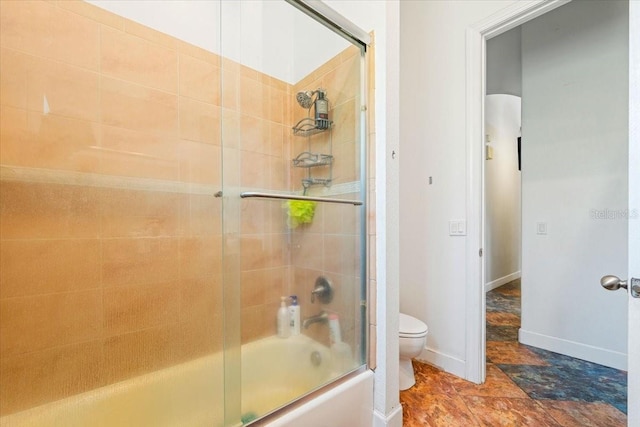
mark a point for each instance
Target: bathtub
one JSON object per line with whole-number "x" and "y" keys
{"x": 275, "y": 371}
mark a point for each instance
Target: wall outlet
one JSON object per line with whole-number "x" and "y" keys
{"x": 541, "y": 228}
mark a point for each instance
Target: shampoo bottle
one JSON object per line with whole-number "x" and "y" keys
{"x": 284, "y": 330}
{"x": 294, "y": 315}
{"x": 321, "y": 107}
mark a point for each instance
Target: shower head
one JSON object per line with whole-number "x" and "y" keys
{"x": 305, "y": 99}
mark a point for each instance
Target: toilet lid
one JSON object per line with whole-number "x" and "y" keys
{"x": 411, "y": 326}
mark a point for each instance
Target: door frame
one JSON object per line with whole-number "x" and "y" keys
{"x": 633, "y": 377}
{"x": 476, "y": 38}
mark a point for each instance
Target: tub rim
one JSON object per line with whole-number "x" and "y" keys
{"x": 308, "y": 397}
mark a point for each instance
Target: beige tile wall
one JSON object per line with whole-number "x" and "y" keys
{"x": 100, "y": 283}
{"x": 330, "y": 245}
{"x": 262, "y": 117}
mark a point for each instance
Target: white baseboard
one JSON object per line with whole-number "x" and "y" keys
{"x": 502, "y": 281}
{"x": 393, "y": 419}
{"x": 445, "y": 362}
{"x": 598, "y": 355}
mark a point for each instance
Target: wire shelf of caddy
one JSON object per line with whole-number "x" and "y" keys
{"x": 308, "y": 182}
{"x": 307, "y": 159}
{"x": 310, "y": 126}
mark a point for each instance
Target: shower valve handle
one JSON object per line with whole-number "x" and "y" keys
{"x": 323, "y": 290}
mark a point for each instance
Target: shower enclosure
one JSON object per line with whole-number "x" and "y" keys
{"x": 169, "y": 172}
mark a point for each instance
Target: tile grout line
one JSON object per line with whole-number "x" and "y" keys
{"x": 535, "y": 401}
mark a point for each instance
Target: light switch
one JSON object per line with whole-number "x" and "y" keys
{"x": 462, "y": 228}
{"x": 489, "y": 154}
{"x": 457, "y": 227}
{"x": 453, "y": 228}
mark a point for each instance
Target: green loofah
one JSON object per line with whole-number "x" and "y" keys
{"x": 248, "y": 417}
{"x": 300, "y": 212}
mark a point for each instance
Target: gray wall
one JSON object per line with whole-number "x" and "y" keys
{"x": 574, "y": 179}
{"x": 502, "y": 180}
{"x": 504, "y": 63}
{"x": 502, "y": 191}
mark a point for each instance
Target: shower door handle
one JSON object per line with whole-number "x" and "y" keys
{"x": 613, "y": 283}
{"x": 260, "y": 195}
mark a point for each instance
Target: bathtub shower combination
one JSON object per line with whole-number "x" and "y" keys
{"x": 183, "y": 233}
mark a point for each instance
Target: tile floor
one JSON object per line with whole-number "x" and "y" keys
{"x": 525, "y": 386}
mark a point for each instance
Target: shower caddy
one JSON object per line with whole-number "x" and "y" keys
{"x": 306, "y": 128}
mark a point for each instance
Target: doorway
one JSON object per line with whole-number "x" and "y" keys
{"x": 574, "y": 98}
{"x": 565, "y": 208}
{"x": 571, "y": 200}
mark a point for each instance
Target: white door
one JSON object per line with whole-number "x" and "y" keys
{"x": 633, "y": 282}
{"x": 634, "y": 210}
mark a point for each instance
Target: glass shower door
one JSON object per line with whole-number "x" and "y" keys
{"x": 142, "y": 265}
{"x": 293, "y": 227}
{"x": 110, "y": 250}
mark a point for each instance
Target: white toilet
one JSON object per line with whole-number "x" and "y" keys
{"x": 413, "y": 337}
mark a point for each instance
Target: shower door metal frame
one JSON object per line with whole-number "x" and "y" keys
{"x": 342, "y": 26}
{"x": 335, "y": 22}
{"x": 331, "y": 19}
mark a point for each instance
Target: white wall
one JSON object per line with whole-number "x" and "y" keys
{"x": 196, "y": 22}
{"x": 574, "y": 152}
{"x": 502, "y": 191}
{"x": 383, "y": 17}
{"x": 432, "y": 132}
{"x": 504, "y": 63}
{"x": 261, "y": 35}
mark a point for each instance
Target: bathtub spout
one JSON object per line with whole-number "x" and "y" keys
{"x": 323, "y": 317}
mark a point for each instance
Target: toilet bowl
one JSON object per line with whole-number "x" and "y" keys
{"x": 413, "y": 337}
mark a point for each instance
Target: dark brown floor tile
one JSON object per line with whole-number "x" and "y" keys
{"x": 436, "y": 410}
{"x": 431, "y": 380}
{"x": 497, "y": 384}
{"x": 412, "y": 415}
{"x": 499, "y": 318}
{"x": 413, "y": 422}
{"x": 512, "y": 353}
{"x": 583, "y": 414}
{"x": 502, "y": 333}
{"x": 507, "y": 412}
{"x": 511, "y": 289}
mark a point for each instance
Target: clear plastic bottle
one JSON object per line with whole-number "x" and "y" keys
{"x": 294, "y": 315}
{"x": 342, "y": 359}
{"x": 334, "y": 328}
{"x": 284, "y": 329}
